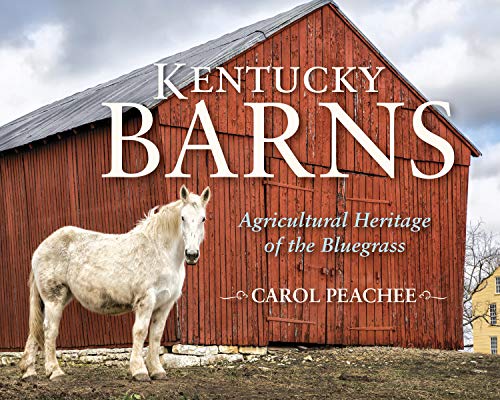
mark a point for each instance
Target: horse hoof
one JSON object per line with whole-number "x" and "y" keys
{"x": 28, "y": 377}
{"x": 141, "y": 377}
{"x": 159, "y": 376}
{"x": 56, "y": 375}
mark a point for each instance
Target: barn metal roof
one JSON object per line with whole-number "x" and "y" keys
{"x": 140, "y": 85}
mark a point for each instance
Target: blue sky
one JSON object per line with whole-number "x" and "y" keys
{"x": 450, "y": 49}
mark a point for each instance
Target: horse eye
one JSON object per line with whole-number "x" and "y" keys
{"x": 182, "y": 218}
{"x": 203, "y": 219}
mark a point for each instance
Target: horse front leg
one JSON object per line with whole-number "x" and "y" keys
{"x": 143, "y": 310}
{"x": 158, "y": 320}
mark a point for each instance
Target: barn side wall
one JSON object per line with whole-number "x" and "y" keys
{"x": 60, "y": 183}
{"x": 36, "y": 201}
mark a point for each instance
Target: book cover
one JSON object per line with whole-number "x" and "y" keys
{"x": 309, "y": 191}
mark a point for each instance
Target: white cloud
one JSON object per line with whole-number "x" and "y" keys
{"x": 461, "y": 72}
{"x": 402, "y": 26}
{"x": 488, "y": 165}
{"x": 440, "y": 66}
{"x": 484, "y": 189}
{"x": 435, "y": 13}
{"x": 24, "y": 68}
{"x": 30, "y": 73}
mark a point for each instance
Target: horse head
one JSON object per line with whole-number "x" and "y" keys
{"x": 193, "y": 217}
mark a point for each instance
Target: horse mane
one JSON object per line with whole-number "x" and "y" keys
{"x": 161, "y": 221}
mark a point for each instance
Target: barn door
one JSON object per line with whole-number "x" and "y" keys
{"x": 367, "y": 324}
{"x": 288, "y": 196}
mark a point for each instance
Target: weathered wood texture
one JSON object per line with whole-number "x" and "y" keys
{"x": 60, "y": 183}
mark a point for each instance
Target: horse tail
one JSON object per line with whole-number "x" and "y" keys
{"x": 36, "y": 313}
{"x": 36, "y": 336}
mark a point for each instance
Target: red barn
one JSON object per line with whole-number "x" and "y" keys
{"x": 52, "y": 161}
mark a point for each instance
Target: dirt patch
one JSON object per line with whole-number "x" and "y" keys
{"x": 340, "y": 373}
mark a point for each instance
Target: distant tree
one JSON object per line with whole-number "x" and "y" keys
{"x": 482, "y": 258}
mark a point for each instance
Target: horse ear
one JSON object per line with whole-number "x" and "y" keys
{"x": 184, "y": 193}
{"x": 205, "y": 196}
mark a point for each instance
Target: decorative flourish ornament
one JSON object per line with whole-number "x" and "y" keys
{"x": 426, "y": 295}
{"x": 240, "y": 295}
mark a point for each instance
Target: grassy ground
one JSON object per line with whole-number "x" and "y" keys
{"x": 340, "y": 373}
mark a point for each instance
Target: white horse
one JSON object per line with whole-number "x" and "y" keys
{"x": 140, "y": 271}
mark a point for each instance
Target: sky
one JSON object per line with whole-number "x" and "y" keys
{"x": 450, "y": 49}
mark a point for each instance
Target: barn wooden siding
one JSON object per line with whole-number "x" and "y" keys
{"x": 48, "y": 186}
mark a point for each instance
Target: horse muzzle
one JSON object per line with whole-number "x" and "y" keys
{"x": 192, "y": 257}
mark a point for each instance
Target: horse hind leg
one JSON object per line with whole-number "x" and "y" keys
{"x": 28, "y": 360}
{"x": 143, "y": 312}
{"x": 54, "y": 305}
